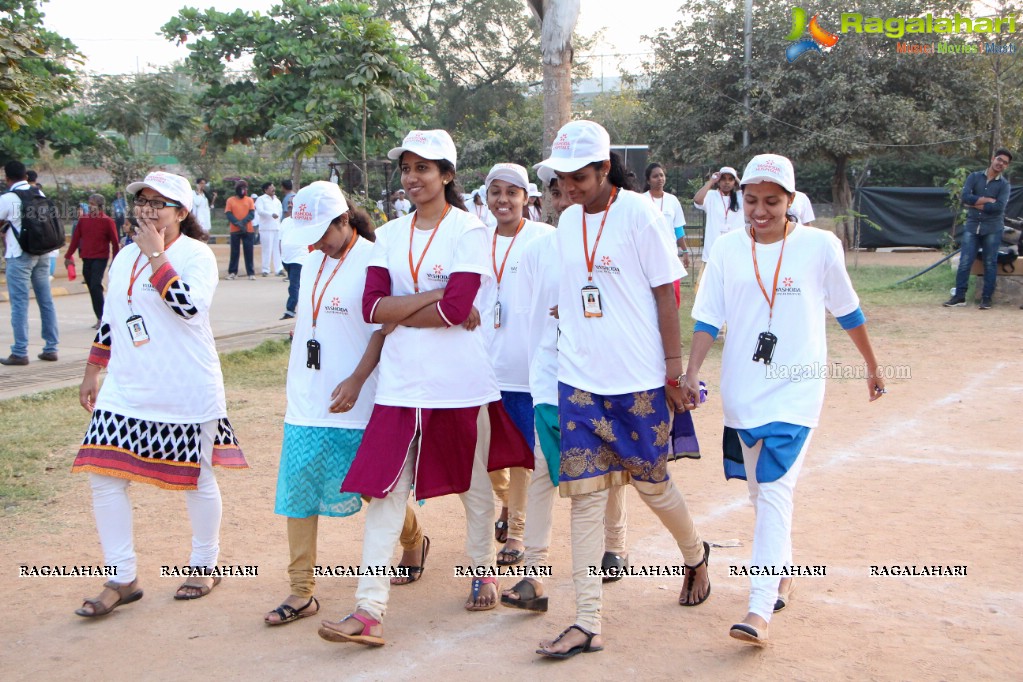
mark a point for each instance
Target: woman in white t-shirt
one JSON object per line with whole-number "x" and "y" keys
{"x": 619, "y": 367}
{"x": 331, "y": 380}
{"x": 429, "y": 426}
{"x": 668, "y": 206}
{"x": 534, "y": 209}
{"x": 161, "y": 416}
{"x": 721, "y": 201}
{"x": 774, "y": 406}
{"x": 507, "y": 186}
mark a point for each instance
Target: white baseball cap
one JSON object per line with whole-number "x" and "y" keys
{"x": 174, "y": 187}
{"x": 577, "y": 144}
{"x": 313, "y": 209}
{"x": 429, "y": 144}
{"x": 770, "y": 168}
{"x": 728, "y": 170}
{"x": 533, "y": 190}
{"x": 546, "y": 175}
{"x": 509, "y": 172}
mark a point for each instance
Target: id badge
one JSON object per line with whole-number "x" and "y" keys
{"x": 137, "y": 330}
{"x": 591, "y": 301}
{"x": 312, "y": 354}
{"x": 497, "y": 315}
{"x": 765, "y": 347}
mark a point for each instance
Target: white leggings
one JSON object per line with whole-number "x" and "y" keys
{"x": 112, "y": 508}
{"x": 772, "y": 532}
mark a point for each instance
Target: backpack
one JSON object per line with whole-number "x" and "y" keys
{"x": 41, "y": 231}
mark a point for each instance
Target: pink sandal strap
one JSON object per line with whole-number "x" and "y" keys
{"x": 367, "y": 622}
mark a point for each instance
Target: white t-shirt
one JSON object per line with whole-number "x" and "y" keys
{"x": 802, "y": 209}
{"x": 266, "y": 208}
{"x": 812, "y": 278}
{"x": 622, "y": 351}
{"x": 343, "y": 336}
{"x": 670, "y": 208}
{"x": 10, "y": 210}
{"x": 292, "y": 253}
{"x": 534, "y": 213}
{"x": 721, "y": 219}
{"x": 201, "y": 211}
{"x": 508, "y": 350}
{"x": 538, "y": 279}
{"x": 176, "y": 377}
{"x": 402, "y": 207}
{"x": 437, "y": 367}
{"x": 482, "y": 211}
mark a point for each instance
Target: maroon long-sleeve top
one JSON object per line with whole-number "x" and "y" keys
{"x": 93, "y": 236}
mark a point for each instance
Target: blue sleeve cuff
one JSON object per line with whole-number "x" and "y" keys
{"x": 680, "y": 232}
{"x": 853, "y": 319}
{"x": 704, "y": 327}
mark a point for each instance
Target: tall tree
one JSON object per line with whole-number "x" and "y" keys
{"x": 557, "y": 23}
{"x": 36, "y": 65}
{"x": 859, "y": 98}
{"x": 320, "y": 71}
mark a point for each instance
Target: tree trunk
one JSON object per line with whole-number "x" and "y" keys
{"x": 296, "y": 171}
{"x": 365, "y": 168}
{"x": 841, "y": 195}
{"x": 557, "y": 99}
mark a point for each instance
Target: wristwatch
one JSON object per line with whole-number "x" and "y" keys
{"x": 675, "y": 383}
{"x": 156, "y": 254}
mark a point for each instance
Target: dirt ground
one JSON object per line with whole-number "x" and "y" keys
{"x": 926, "y": 476}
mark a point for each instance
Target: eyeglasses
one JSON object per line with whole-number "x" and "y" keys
{"x": 141, "y": 201}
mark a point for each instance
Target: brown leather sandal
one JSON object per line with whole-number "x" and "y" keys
{"x": 126, "y": 594}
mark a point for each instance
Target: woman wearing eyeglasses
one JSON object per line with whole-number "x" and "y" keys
{"x": 160, "y": 417}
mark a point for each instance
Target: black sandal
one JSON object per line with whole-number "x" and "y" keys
{"x": 414, "y": 573}
{"x": 691, "y": 579}
{"x": 613, "y": 567}
{"x": 288, "y": 613}
{"x": 527, "y": 599}
{"x": 586, "y": 647}
{"x": 501, "y": 531}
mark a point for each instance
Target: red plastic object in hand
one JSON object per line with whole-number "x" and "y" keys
{"x": 71, "y": 272}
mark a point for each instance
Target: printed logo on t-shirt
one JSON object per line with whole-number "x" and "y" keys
{"x": 607, "y": 266}
{"x": 146, "y": 286}
{"x": 302, "y": 213}
{"x": 438, "y": 274}
{"x": 788, "y": 287}
{"x": 335, "y": 307}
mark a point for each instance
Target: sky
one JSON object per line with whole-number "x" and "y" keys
{"x": 120, "y": 36}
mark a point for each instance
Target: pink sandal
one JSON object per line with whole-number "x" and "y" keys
{"x": 329, "y": 631}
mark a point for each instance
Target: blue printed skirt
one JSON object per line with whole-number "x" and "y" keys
{"x": 314, "y": 462}
{"x": 608, "y": 440}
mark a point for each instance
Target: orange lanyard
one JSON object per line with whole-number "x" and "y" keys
{"x": 777, "y": 270}
{"x": 414, "y": 269}
{"x": 725, "y": 205}
{"x": 318, "y": 302}
{"x": 592, "y": 256}
{"x": 493, "y": 252}
{"x": 136, "y": 271}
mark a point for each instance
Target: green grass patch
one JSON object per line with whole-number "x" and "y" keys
{"x": 878, "y": 285}
{"x": 42, "y": 432}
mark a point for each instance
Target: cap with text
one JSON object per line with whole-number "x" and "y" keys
{"x": 313, "y": 209}
{"x": 577, "y": 144}
{"x": 174, "y": 187}
{"x": 429, "y": 144}
{"x": 770, "y": 168}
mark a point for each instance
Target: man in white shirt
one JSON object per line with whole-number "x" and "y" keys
{"x": 201, "y": 205}
{"x": 24, "y": 269}
{"x": 402, "y": 206}
{"x": 268, "y": 212}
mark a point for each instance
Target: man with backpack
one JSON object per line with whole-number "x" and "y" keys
{"x": 25, "y": 268}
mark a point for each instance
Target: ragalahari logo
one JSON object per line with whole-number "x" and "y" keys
{"x": 818, "y": 36}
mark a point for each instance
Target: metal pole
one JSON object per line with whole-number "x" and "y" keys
{"x": 746, "y": 61}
